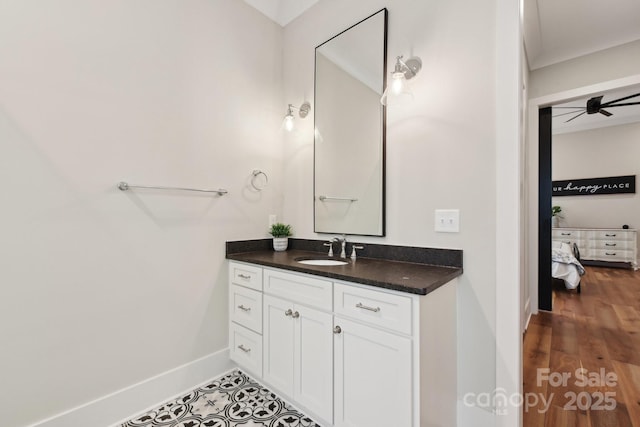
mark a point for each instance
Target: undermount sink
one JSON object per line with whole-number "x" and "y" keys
{"x": 326, "y": 262}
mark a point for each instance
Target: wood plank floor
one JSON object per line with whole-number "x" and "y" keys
{"x": 597, "y": 334}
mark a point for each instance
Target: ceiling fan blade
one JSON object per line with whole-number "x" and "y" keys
{"x": 605, "y": 113}
{"x": 623, "y": 104}
{"x": 608, "y": 103}
{"x": 565, "y": 114}
{"x": 575, "y": 117}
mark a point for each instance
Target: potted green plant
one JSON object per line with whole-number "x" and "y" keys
{"x": 555, "y": 216}
{"x": 280, "y": 233}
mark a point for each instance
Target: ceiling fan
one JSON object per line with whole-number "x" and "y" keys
{"x": 595, "y": 105}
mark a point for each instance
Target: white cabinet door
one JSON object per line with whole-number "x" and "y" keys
{"x": 278, "y": 334}
{"x": 313, "y": 360}
{"x": 298, "y": 353}
{"x": 373, "y": 385}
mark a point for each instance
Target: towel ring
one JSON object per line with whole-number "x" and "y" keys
{"x": 259, "y": 186}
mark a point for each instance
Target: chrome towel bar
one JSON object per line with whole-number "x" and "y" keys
{"x": 126, "y": 186}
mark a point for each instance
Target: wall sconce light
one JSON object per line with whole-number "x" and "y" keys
{"x": 303, "y": 111}
{"x": 398, "y": 90}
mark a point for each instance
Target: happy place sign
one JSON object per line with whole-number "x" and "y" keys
{"x": 595, "y": 186}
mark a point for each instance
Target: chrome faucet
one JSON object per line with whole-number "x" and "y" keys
{"x": 343, "y": 242}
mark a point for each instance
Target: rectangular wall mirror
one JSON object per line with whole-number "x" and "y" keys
{"x": 349, "y": 146}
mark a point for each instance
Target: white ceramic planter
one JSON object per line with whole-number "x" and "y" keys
{"x": 555, "y": 221}
{"x": 280, "y": 243}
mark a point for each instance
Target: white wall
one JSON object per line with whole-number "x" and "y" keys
{"x": 609, "y": 151}
{"x": 608, "y": 64}
{"x": 100, "y": 289}
{"x": 441, "y": 150}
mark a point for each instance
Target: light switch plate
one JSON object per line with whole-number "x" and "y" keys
{"x": 447, "y": 220}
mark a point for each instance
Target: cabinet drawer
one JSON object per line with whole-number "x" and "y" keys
{"x": 565, "y": 234}
{"x": 298, "y": 288}
{"x": 611, "y": 235}
{"x": 245, "y": 275}
{"x": 570, "y": 242}
{"x": 246, "y": 348}
{"x": 383, "y": 309}
{"x": 611, "y": 255}
{"x": 245, "y": 307}
{"x": 612, "y": 244}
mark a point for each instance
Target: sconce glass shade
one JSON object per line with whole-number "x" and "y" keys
{"x": 303, "y": 111}
{"x": 288, "y": 120}
{"x": 398, "y": 90}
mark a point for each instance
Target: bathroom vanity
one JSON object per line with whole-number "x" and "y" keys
{"x": 369, "y": 343}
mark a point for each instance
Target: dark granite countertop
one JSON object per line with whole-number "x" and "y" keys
{"x": 411, "y": 277}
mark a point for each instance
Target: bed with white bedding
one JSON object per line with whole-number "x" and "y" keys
{"x": 565, "y": 265}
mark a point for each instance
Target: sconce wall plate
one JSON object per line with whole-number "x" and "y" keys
{"x": 304, "y": 110}
{"x": 414, "y": 65}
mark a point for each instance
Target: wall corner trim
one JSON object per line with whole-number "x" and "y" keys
{"x": 117, "y": 407}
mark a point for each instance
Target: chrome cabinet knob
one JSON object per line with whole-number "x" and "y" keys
{"x": 288, "y": 312}
{"x": 295, "y": 315}
{"x": 337, "y": 330}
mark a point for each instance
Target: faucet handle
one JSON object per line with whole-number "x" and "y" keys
{"x": 330, "y": 244}
{"x": 353, "y": 250}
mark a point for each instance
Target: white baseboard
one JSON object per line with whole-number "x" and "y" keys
{"x": 117, "y": 407}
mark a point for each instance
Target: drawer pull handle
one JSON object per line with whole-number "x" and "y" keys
{"x": 607, "y": 253}
{"x": 243, "y": 348}
{"x": 243, "y": 308}
{"x": 244, "y": 276}
{"x": 288, "y": 312}
{"x": 337, "y": 330}
{"x": 610, "y": 235}
{"x": 364, "y": 307}
{"x": 610, "y": 244}
{"x": 295, "y": 315}
{"x": 565, "y": 234}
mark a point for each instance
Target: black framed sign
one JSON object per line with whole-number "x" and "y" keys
{"x": 595, "y": 186}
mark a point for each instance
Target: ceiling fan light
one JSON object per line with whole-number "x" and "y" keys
{"x": 593, "y": 105}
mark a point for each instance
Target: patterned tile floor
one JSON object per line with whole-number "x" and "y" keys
{"x": 230, "y": 401}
